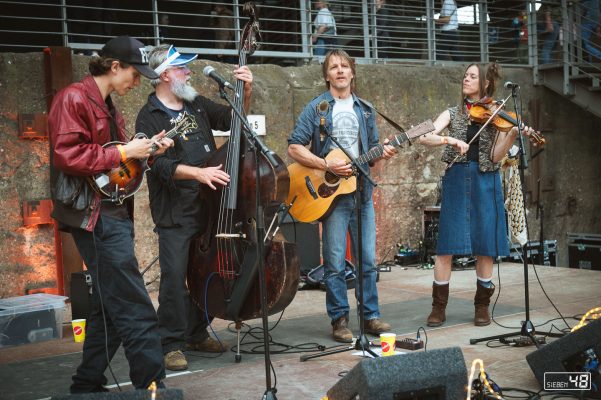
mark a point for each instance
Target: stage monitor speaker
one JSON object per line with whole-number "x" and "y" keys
{"x": 433, "y": 375}
{"x": 306, "y": 237}
{"x": 163, "y": 394}
{"x": 578, "y": 351}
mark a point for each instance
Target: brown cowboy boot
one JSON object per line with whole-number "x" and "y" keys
{"x": 340, "y": 330}
{"x": 376, "y": 326}
{"x": 481, "y": 302}
{"x": 440, "y": 298}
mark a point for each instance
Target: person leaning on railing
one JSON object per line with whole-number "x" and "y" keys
{"x": 324, "y": 37}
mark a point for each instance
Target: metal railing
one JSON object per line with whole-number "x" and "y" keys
{"x": 407, "y": 33}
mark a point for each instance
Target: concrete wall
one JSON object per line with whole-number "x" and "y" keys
{"x": 409, "y": 94}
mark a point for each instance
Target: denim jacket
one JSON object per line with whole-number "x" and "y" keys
{"x": 307, "y": 128}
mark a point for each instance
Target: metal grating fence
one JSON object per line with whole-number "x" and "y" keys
{"x": 505, "y": 31}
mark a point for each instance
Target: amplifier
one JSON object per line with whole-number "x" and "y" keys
{"x": 584, "y": 251}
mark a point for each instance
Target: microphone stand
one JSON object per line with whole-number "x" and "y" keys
{"x": 258, "y": 148}
{"x": 527, "y": 325}
{"x": 362, "y": 343}
{"x": 540, "y": 212}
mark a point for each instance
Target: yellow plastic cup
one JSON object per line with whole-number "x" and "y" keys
{"x": 79, "y": 330}
{"x": 388, "y": 343}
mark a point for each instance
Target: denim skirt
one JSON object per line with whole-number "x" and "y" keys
{"x": 472, "y": 213}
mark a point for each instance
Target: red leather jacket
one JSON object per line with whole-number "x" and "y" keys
{"x": 79, "y": 123}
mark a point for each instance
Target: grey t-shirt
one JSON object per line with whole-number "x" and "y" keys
{"x": 346, "y": 125}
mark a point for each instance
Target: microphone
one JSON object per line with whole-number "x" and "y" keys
{"x": 322, "y": 109}
{"x": 511, "y": 85}
{"x": 211, "y": 73}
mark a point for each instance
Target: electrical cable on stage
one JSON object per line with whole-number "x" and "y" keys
{"x": 257, "y": 334}
{"x": 421, "y": 328}
{"x": 544, "y": 292}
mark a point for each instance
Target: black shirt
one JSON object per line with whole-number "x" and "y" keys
{"x": 172, "y": 201}
{"x": 473, "y": 152}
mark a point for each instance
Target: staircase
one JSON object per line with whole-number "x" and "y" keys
{"x": 578, "y": 75}
{"x": 579, "y": 82}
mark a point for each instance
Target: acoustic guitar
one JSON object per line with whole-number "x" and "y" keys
{"x": 125, "y": 180}
{"x": 313, "y": 190}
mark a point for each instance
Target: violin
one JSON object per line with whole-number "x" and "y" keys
{"x": 504, "y": 121}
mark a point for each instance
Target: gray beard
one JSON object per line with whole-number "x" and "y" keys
{"x": 183, "y": 91}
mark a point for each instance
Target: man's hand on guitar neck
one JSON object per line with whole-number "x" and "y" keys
{"x": 387, "y": 150}
{"x": 141, "y": 148}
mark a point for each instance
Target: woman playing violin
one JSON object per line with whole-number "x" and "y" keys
{"x": 472, "y": 218}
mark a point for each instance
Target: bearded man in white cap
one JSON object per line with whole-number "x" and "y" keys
{"x": 177, "y": 208}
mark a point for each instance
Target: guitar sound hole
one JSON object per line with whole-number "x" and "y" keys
{"x": 326, "y": 190}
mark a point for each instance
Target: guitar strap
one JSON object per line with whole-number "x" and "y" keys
{"x": 387, "y": 119}
{"x": 113, "y": 123}
{"x": 111, "y": 115}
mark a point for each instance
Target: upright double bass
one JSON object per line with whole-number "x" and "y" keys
{"x": 223, "y": 267}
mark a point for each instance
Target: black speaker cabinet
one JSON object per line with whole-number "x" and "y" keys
{"x": 165, "y": 394}
{"x": 81, "y": 290}
{"x": 306, "y": 237}
{"x": 584, "y": 251}
{"x": 433, "y": 375}
{"x": 578, "y": 351}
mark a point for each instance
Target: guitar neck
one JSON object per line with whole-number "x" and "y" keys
{"x": 377, "y": 151}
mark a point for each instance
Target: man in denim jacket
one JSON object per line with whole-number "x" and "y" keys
{"x": 352, "y": 121}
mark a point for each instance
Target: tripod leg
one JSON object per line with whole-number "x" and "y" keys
{"x": 238, "y": 357}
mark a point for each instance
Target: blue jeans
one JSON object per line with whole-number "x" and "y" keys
{"x": 446, "y": 46}
{"x": 342, "y": 219}
{"x": 322, "y": 46}
{"x": 550, "y": 40}
{"x": 587, "y": 30}
{"x": 119, "y": 289}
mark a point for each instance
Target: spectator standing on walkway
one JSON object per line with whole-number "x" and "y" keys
{"x": 448, "y": 37}
{"x": 589, "y": 24}
{"x": 324, "y": 36}
{"x": 224, "y": 33}
{"x": 520, "y": 26}
{"x": 383, "y": 24}
{"x": 548, "y": 20}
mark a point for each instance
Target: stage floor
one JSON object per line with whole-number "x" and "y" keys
{"x": 40, "y": 370}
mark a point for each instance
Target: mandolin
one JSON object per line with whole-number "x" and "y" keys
{"x": 125, "y": 180}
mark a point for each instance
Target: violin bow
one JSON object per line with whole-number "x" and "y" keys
{"x": 494, "y": 114}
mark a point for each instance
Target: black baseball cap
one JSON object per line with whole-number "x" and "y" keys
{"x": 130, "y": 51}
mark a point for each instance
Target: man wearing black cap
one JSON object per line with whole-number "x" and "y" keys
{"x": 175, "y": 203}
{"x": 81, "y": 120}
